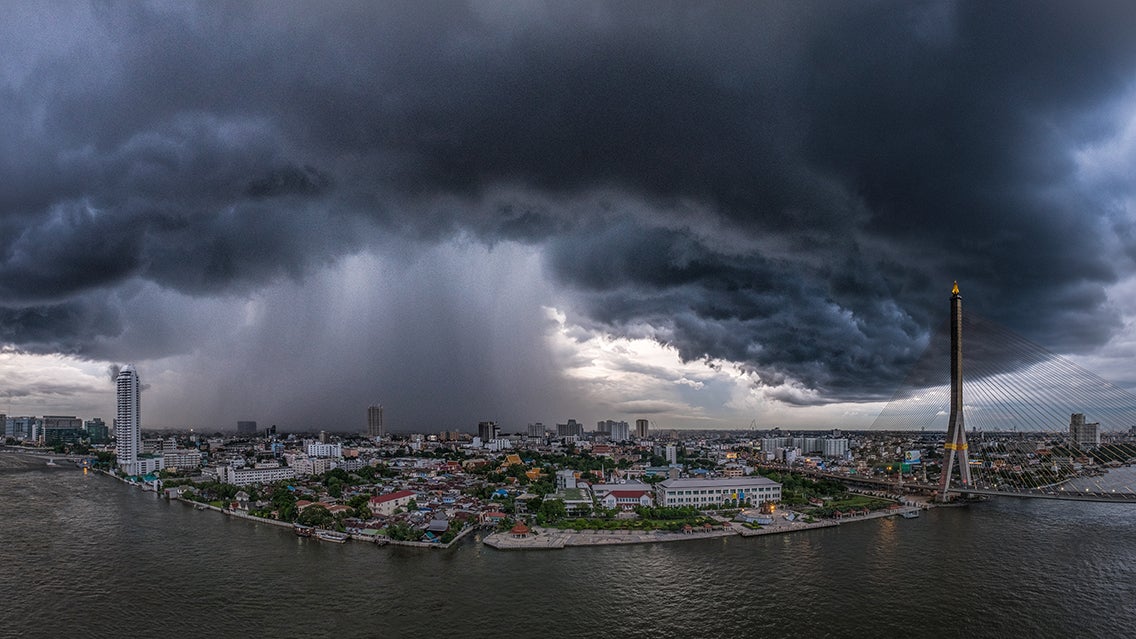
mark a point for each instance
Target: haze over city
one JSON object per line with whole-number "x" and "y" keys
{"x": 703, "y": 215}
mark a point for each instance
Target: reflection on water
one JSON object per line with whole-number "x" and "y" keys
{"x": 86, "y": 555}
{"x": 1117, "y": 480}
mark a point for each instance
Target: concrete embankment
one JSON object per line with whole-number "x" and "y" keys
{"x": 284, "y": 524}
{"x": 554, "y": 538}
{"x": 434, "y": 545}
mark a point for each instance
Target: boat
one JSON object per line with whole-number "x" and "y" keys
{"x": 302, "y": 531}
{"x": 910, "y": 514}
{"x": 331, "y": 535}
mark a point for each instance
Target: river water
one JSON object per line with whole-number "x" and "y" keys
{"x": 84, "y": 555}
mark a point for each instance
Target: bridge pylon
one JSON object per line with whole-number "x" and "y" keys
{"x": 955, "y": 448}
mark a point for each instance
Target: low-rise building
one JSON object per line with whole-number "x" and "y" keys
{"x": 390, "y": 502}
{"x": 182, "y": 458}
{"x": 702, "y": 493}
{"x": 258, "y": 475}
{"x": 316, "y": 449}
{"x": 626, "y": 499}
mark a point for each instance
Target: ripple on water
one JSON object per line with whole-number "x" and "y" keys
{"x": 87, "y": 555}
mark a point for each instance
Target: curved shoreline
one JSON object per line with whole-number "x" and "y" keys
{"x": 556, "y": 539}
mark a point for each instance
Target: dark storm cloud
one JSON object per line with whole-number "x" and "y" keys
{"x": 790, "y": 186}
{"x": 69, "y": 327}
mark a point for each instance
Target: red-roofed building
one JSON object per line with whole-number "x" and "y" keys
{"x": 390, "y": 502}
{"x": 626, "y": 499}
{"x": 303, "y": 504}
{"x": 493, "y": 516}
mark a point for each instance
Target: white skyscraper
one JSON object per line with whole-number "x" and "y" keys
{"x": 128, "y": 424}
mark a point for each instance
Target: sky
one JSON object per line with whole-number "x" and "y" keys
{"x": 707, "y": 215}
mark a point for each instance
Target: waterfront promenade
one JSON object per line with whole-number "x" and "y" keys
{"x": 555, "y": 538}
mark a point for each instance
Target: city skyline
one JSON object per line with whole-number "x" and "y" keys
{"x": 700, "y": 215}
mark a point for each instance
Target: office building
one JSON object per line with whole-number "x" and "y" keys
{"x": 62, "y": 429}
{"x": 97, "y": 431}
{"x": 23, "y": 428}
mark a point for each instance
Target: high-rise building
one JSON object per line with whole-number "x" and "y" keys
{"x": 97, "y": 431}
{"x": 536, "y": 430}
{"x": 488, "y": 431}
{"x": 23, "y": 428}
{"x": 613, "y": 430}
{"x": 834, "y": 446}
{"x": 128, "y": 422}
{"x": 1084, "y": 435}
{"x": 61, "y": 428}
{"x": 246, "y": 428}
{"x": 641, "y": 429}
{"x": 375, "y": 421}
{"x": 620, "y": 431}
{"x": 571, "y": 429}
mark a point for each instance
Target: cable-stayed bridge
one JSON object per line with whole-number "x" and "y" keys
{"x": 1020, "y": 420}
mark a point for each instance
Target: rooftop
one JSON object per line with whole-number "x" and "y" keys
{"x": 735, "y": 482}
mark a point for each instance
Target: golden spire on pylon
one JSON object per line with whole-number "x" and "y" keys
{"x": 955, "y": 290}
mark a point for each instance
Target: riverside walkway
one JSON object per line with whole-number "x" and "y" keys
{"x": 555, "y": 538}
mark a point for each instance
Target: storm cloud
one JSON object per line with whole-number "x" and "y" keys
{"x": 788, "y": 187}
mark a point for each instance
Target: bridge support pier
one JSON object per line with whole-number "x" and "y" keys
{"x": 955, "y": 448}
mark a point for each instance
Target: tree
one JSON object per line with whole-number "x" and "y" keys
{"x": 316, "y": 516}
{"x": 401, "y": 532}
{"x": 552, "y": 510}
{"x": 542, "y": 487}
{"x": 412, "y": 505}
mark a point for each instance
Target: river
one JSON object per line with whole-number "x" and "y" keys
{"x": 85, "y": 555}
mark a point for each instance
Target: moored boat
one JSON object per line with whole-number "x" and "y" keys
{"x": 910, "y": 514}
{"x": 301, "y": 530}
{"x": 331, "y": 535}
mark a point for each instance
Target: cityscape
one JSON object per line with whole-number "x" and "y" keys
{"x": 487, "y": 318}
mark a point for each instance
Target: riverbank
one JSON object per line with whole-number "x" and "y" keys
{"x": 542, "y": 538}
{"x": 379, "y": 540}
{"x": 555, "y": 539}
